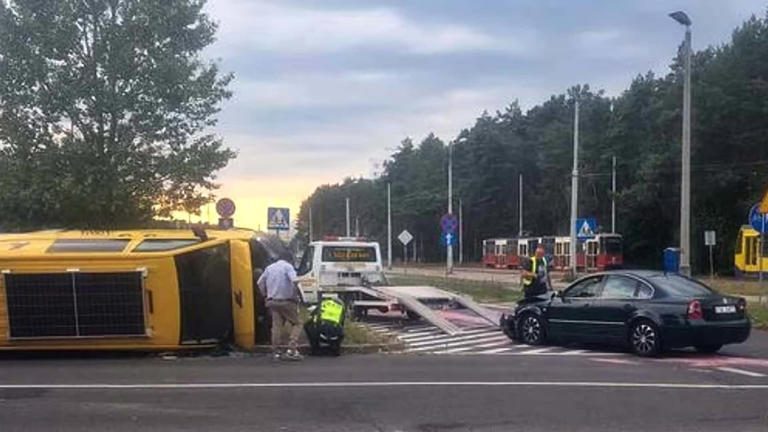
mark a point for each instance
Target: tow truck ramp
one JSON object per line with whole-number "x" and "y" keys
{"x": 425, "y": 301}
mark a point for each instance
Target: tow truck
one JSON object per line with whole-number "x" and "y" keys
{"x": 350, "y": 268}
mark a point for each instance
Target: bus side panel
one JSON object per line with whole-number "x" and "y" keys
{"x": 243, "y": 312}
{"x": 162, "y": 302}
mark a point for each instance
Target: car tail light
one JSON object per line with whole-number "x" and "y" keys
{"x": 694, "y": 310}
{"x": 741, "y": 305}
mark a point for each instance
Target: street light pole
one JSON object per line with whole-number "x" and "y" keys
{"x": 613, "y": 196}
{"x": 575, "y": 185}
{"x": 449, "y": 248}
{"x": 461, "y": 232}
{"x": 311, "y": 237}
{"x": 389, "y": 225}
{"x": 520, "y": 209}
{"x": 685, "y": 183}
{"x": 347, "y": 201}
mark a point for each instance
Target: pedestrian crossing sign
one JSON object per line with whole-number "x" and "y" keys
{"x": 278, "y": 218}
{"x": 586, "y": 228}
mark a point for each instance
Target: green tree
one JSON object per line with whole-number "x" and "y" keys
{"x": 104, "y": 108}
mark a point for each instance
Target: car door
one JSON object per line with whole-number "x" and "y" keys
{"x": 611, "y": 311}
{"x": 568, "y": 314}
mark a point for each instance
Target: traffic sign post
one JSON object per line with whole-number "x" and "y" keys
{"x": 278, "y": 219}
{"x": 586, "y": 228}
{"x": 710, "y": 240}
{"x": 225, "y": 207}
{"x": 405, "y": 237}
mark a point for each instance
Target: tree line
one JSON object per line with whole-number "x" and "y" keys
{"x": 105, "y": 112}
{"x": 641, "y": 127}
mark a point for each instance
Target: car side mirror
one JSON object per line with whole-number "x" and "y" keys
{"x": 559, "y": 293}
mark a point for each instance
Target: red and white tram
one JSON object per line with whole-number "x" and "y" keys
{"x": 602, "y": 252}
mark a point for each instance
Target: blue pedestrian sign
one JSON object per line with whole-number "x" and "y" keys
{"x": 586, "y": 228}
{"x": 278, "y": 218}
{"x": 448, "y": 239}
{"x": 759, "y": 221}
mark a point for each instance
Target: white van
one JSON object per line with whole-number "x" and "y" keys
{"x": 333, "y": 265}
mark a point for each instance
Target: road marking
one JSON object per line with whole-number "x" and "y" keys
{"x": 494, "y": 344}
{"x": 536, "y": 351}
{"x": 496, "y": 351}
{"x": 574, "y": 352}
{"x": 412, "y": 336}
{"x": 454, "y": 350}
{"x": 616, "y": 361}
{"x": 449, "y": 344}
{"x": 741, "y": 372}
{"x": 434, "y": 340}
{"x": 347, "y": 384}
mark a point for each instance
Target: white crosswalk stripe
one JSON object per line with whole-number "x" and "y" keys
{"x": 422, "y": 338}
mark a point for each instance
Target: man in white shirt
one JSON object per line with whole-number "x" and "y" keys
{"x": 278, "y": 286}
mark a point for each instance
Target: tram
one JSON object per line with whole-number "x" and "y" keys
{"x": 602, "y": 252}
{"x": 746, "y": 256}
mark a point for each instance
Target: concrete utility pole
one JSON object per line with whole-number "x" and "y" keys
{"x": 461, "y": 233}
{"x": 575, "y": 185}
{"x": 311, "y": 236}
{"x": 347, "y": 201}
{"x": 520, "y": 207}
{"x": 389, "y": 226}
{"x": 449, "y": 248}
{"x": 613, "y": 196}
{"x": 685, "y": 183}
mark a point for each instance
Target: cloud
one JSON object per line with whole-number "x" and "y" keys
{"x": 274, "y": 26}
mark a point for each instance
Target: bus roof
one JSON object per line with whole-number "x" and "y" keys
{"x": 52, "y": 243}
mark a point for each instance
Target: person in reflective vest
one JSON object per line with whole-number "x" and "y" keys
{"x": 325, "y": 327}
{"x": 535, "y": 274}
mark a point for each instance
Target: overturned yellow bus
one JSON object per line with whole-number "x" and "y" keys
{"x": 146, "y": 290}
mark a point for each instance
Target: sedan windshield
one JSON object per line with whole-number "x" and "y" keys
{"x": 678, "y": 286}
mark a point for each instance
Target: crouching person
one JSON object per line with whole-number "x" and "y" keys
{"x": 325, "y": 327}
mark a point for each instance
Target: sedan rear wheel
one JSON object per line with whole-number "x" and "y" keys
{"x": 644, "y": 339}
{"x": 531, "y": 329}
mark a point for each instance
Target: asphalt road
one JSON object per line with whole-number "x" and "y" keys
{"x": 681, "y": 392}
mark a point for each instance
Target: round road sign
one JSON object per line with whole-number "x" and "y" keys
{"x": 225, "y": 207}
{"x": 449, "y": 223}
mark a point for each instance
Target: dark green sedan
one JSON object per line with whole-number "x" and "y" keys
{"x": 648, "y": 311}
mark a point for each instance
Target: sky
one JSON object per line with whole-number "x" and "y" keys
{"x": 327, "y": 89}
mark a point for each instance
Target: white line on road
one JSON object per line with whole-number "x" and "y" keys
{"x": 536, "y": 351}
{"x": 454, "y": 350}
{"x": 417, "y": 335}
{"x": 741, "y": 372}
{"x": 495, "y": 351}
{"x": 449, "y": 344}
{"x": 495, "y": 344}
{"x": 335, "y": 384}
{"x": 462, "y": 336}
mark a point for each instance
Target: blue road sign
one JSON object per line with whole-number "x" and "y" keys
{"x": 586, "y": 228}
{"x": 278, "y": 218}
{"x": 448, "y": 238}
{"x": 759, "y": 221}
{"x": 449, "y": 223}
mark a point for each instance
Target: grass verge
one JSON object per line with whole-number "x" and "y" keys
{"x": 759, "y": 315}
{"x": 480, "y": 291}
{"x": 735, "y": 287}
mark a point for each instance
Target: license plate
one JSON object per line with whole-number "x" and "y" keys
{"x": 725, "y": 309}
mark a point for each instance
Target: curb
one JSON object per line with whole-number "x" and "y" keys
{"x": 345, "y": 349}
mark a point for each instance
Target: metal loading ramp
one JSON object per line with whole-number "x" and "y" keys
{"x": 418, "y": 299}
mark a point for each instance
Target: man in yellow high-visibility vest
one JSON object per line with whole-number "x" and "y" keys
{"x": 535, "y": 274}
